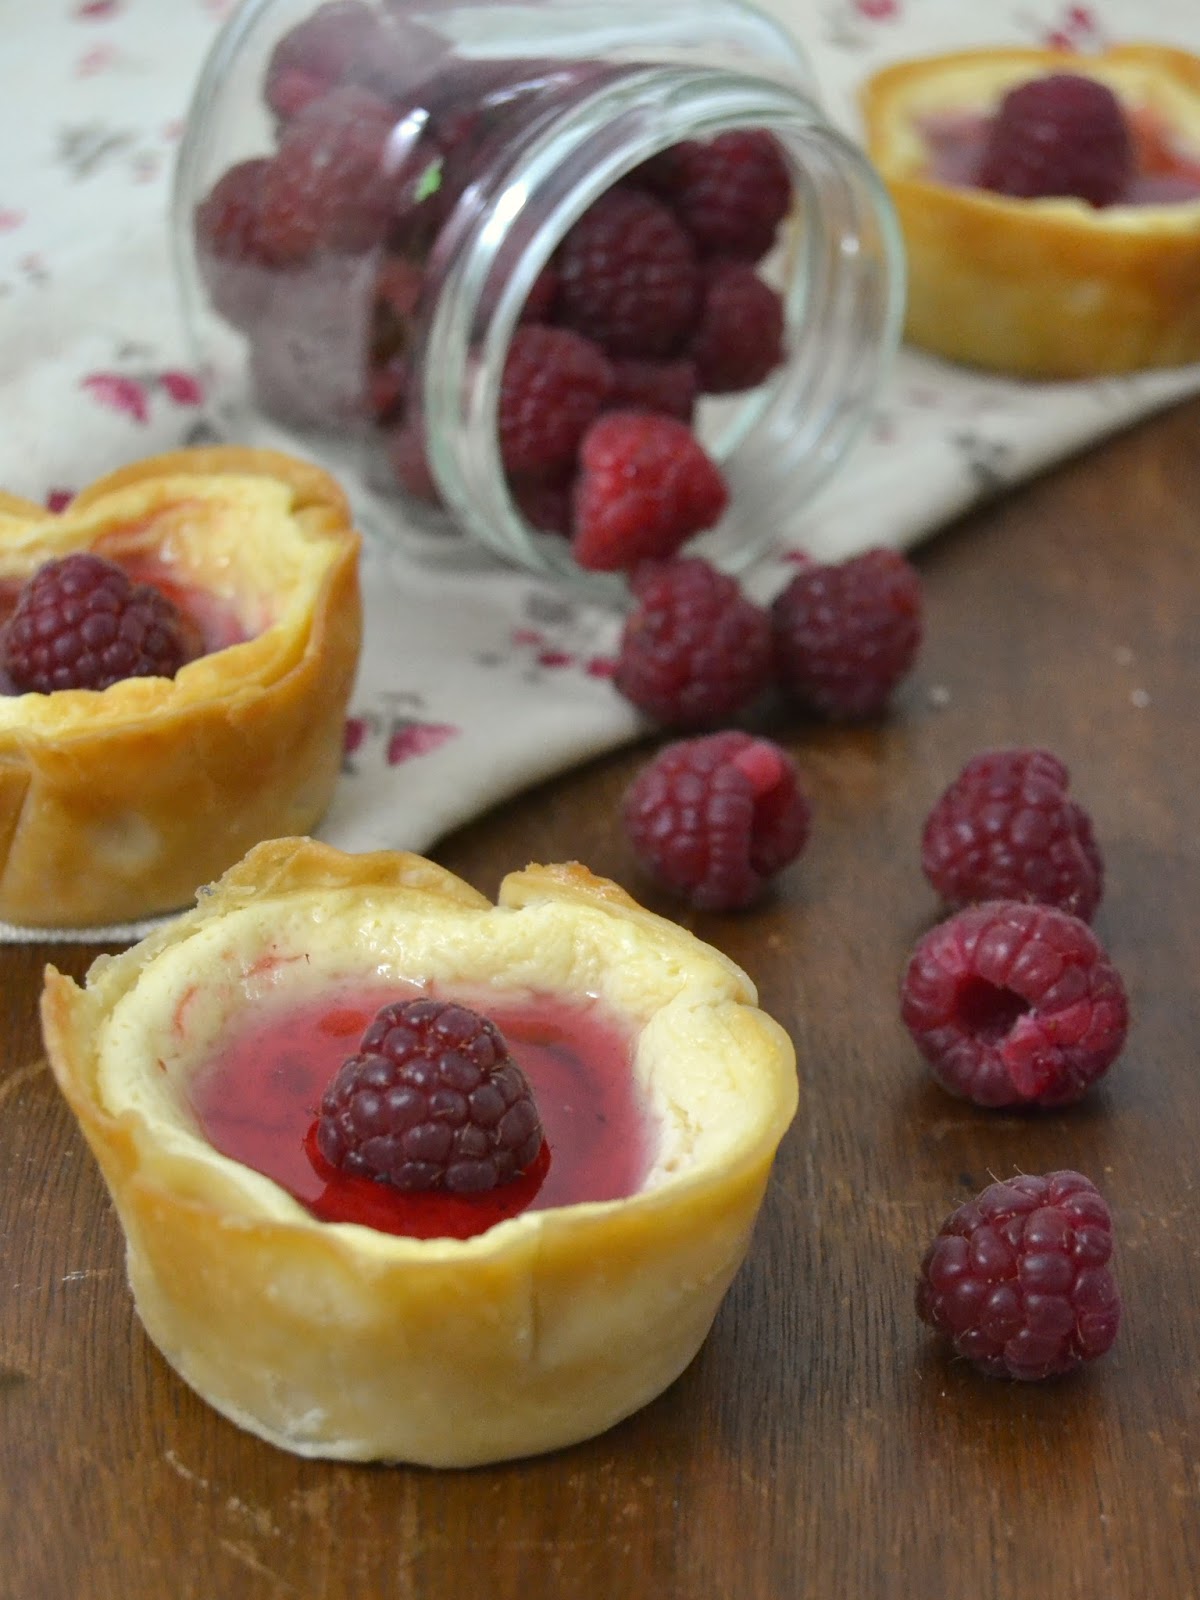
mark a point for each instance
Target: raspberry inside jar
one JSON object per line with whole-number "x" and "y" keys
{"x": 459, "y": 241}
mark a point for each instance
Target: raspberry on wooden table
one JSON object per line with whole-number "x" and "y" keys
{"x": 1013, "y": 1004}
{"x": 1063, "y": 134}
{"x": 738, "y": 340}
{"x": 712, "y": 819}
{"x": 645, "y": 487}
{"x": 628, "y": 276}
{"x": 1018, "y": 1279}
{"x": 1005, "y": 829}
{"x": 732, "y": 193}
{"x": 79, "y": 623}
{"x": 432, "y": 1100}
{"x": 554, "y": 385}
{"x": 695, "y": 649}
{"x": 846, "y": 634}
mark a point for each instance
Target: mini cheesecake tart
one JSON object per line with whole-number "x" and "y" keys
{"x": 118, "y": 803}
{"x": 1044, "y": 287}
{"x": 337, "y": 1339}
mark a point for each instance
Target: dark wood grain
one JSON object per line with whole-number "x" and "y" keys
{"x": 820, "y": 1446}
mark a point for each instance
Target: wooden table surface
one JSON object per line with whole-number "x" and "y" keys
{"x": 821, "y": 1445}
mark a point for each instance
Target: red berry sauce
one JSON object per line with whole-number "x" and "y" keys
{"x": 257, "y": 1100}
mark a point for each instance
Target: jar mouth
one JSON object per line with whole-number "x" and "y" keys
{"x": 843, "y": 304}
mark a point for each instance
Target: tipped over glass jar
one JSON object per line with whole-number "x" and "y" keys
{"x": 501, "y": 266}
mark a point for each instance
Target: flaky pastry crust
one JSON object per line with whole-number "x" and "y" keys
{"x": 117, "y": 804}
{"x": 335, "y": 1340}
{"x": 1042, "y": 288}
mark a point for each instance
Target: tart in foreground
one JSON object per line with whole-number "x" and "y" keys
{"x": 342, "y": 1340}
{"x": 119, "y": 802}
{"x": 1052, "y": 286}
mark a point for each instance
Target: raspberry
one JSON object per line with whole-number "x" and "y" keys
{"x": 1018, "y": 1278}
{"x": 432, "y": 1100}
{"x": 325, "y": 188}
{"x": 227, "y": 248}
{"x": 539, "y": 303}
{"x": 666, "y": 386}
{"x": 409, "y": 459}
{"x": 711, "y": 819}
{"x": 1014, "y": 1004}
{"x": 1005, "y": 830}
{"x": 628, "y": 276}
{"x": 79, "y": 623}
{"x": 660, "y": 174}
{"x": 1059, "y": 135}
{"x": 739, "y": 338}
{"x": 554, "y": 384}
{"x": 732, "y": 194}
{"x": 645, "y": 487}
{"x": 846, "y": 634}
{"x": 695, "y": 650}
{"x": 318, "y": 53}
{"x": 545, "y": 506}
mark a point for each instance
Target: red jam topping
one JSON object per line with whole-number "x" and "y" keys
{"x": 256, "y": 1102}
{"x": 1165, "y": 175}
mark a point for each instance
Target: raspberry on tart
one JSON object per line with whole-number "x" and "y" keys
{"x": 346, "y": 1339}
{"x": 223, "y": 727}
{"x": 1006, "y": 271}
{"x": 79, "y": 623}
{"x": 432, "y": 1099}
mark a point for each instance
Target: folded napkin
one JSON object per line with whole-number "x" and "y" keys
{"x": 476, "y": 681}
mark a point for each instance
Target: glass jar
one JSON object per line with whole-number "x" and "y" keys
{"x": 372, "y": 202}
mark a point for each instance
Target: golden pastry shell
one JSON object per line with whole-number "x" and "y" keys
{"x": 1041, "y": 288}
{"x": 118, "y": 804}
{"x": 335, "y": 1340}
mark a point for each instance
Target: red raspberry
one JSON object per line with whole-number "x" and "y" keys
{"x": 227, "y": 247}
{"x": 645, "y": 487}
{"x": 545, "y": 506}
{"x": 1059, "y": 135}
{"x": 660, "y": 174}
{"x": 409, "y": 459}
{"x": 539, "y": 303}
{"x": 325, "y": 187}
{"x": 79, "y": 623}
{"x": 1005, "y": 830}
{"x": 1014, "y": 1004}
{"x": 668, "y": 387}
{"x": 732, "y": 194}
{"x": 695, "y": 650}
{"x": 712, "y": 819}
{"x": 318, "y": 53}
{"x": 1018, "y": 1278}
{"x": 306, "y": 353}
{"x": 628, "y": 276}
{"x": 554, "y": 385}
{"x": 738, "y": 341}
{"x": 846, "y": 634}
{"x": 432, "y": 1100}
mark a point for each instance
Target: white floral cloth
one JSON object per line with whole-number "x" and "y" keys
{"x": 474, "y": 683}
